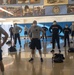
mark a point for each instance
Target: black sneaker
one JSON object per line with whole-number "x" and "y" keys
{"x": 31, "y": 59}
{"x": 52, "y": 50}
{"x": 41, "y": 59}
{"x": 71, "y": 42}
{"x": 59, "y": 51}
{"x": 64, "y": 46}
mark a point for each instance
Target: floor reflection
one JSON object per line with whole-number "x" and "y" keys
{"x": 16, "y": 63}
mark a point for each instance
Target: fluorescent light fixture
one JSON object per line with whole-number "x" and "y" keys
{"x": 6, "y": 11}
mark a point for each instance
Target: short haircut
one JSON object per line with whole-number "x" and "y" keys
{"x": 54, "y": 21}
{"x": 34, "y": 22}
{"x": 15, "y": 23}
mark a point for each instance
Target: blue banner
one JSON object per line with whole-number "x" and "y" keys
{"x": 56, "y": 10}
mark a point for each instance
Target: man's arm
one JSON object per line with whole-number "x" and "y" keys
{"x": 43, "y": 32}
{"x": 30, "y": 33}
{"x": 2, "y": 31}
{"x": 63, "y": 30}
{"x": 69, "y": 30}
{"x": 60, "y": 28}
{"x": 20, "y": 30}
{"x": 50, "y": 29}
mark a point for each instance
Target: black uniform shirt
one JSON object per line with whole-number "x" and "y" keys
{"x": 54, "y": 29}
{"x": 45, "y": 28}
{"x": 66, "y": 31}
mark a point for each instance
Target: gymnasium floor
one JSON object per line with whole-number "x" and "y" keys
{"x": 16, "y": 63}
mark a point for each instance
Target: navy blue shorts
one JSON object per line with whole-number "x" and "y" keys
{"x": 0, "y": 55}
{"x": 25, "y": 33}
{"x": 35, "y": 43}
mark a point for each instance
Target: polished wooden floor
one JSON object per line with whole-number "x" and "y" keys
{"x": 16, "y": 63}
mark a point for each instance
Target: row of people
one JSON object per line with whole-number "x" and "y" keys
{"x": 34, "y": 34}
{"x": 26, "y": 32}
{"x": 55, "y": 29}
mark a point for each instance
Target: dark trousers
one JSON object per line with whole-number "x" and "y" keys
{"x": 17, "y": 36}
{"x": 55, "y": 39}
{"x": 66, "y": 38}
{"x": 11, "y": 36}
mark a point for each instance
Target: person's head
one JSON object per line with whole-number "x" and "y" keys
{"x": 34, "y": 23}
{"x": 11, "y": 25}
{"x": 15, "y": 24}
{"x": 54, "y": 22}
{"x": 66, "y": 26}
{"x": 26, "y": 8}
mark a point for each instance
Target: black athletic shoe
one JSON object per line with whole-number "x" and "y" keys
{"x": 64, "y": 46}
{"x": 59, "y": 51}
{"x": 71, "y": 42}
{"x": 31, "y": 59}
{"x": 41, "y": 59}
{"x": 52, "y": 50}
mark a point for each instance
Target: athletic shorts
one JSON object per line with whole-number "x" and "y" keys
{"x": 35, "y": 43}
{"x": 25, "y": 33}
{"x": 72, "y": 34}
{"x": 0, "y": 55}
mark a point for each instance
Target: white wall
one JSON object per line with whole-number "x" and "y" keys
{"x": 6, "y": 26}
{"x": 59, "y": 18}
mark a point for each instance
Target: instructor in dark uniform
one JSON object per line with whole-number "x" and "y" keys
{"x": 55, "y": 29}
{"x": 66, "y": 32}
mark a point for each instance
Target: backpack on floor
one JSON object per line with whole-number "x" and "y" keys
{"x": 12, "y": 49}
{"x": 71, "y": 50}
{"x": 58, "y": 58}
{"x": 8, "y": 42}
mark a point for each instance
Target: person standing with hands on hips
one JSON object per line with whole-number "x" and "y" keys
{"x": 17, "y": 30}
{"x": 2, "y": 31}
{"x": 11, "y": 33}
{"x": 55, "y": 29}
{"x": 66, "y": 32}
{"x": 35, "y": 39}
{"x": 26, "y": 32}
{"x": 72, "y": 31}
